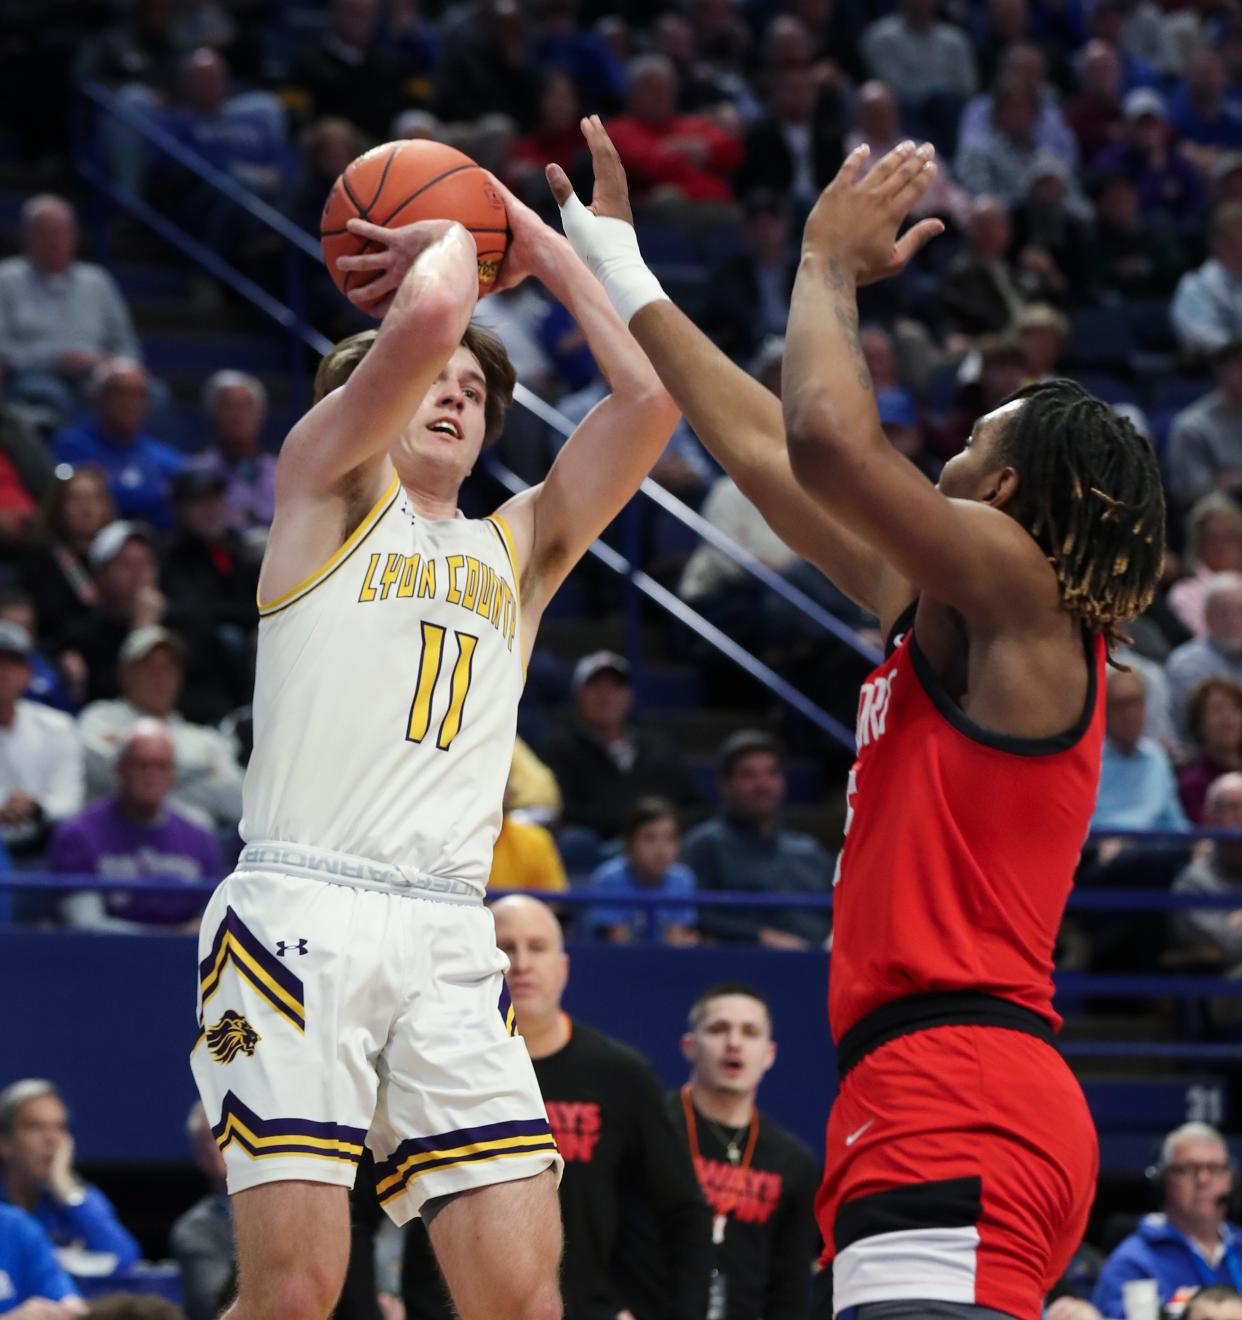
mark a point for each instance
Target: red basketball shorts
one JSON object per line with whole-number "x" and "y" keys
{"x": 961, "y": 1166}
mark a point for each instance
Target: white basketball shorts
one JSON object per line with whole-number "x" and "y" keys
{"x": 336, "y": 1010}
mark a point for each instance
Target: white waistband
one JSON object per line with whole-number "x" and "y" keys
{"x": 357, "y": 872}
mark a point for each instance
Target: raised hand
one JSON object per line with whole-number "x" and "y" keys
{"x": 855, "y": 221}
{"x": 398, "y": 250}
{"x": 611, "y": 195}
{"x": 529, "y": 251}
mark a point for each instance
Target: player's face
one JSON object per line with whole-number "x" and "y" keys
{"x": 976, "y": 473}
{"x": 732, "y": 1047}
{"x": 538, "y": 968}
{"x": 448, "y": 428}
{"x": 653, "y": 847}
{"x": 1198, "y": 1181}
{"x": 38, "y": 1130}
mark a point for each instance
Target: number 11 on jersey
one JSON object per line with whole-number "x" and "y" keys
{"x": 429, "y": 666}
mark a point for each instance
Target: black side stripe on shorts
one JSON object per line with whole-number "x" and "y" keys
{"x": 949, "y": 1203}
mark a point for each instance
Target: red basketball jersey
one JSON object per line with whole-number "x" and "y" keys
{"x": 960, "y": 845}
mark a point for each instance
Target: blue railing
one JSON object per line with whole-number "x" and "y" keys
{"x": 289, "y": 315}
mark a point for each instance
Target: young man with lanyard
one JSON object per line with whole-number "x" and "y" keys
{"x": 621, "y": 1152}
{"x": 758, "y": 1179}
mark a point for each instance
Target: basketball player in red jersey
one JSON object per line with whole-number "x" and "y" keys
{"x": 961, "y": 1157}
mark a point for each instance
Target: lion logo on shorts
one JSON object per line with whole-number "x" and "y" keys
{"x": 231, "y": 1036}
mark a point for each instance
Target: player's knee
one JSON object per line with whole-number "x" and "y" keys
{"x": 543, "y": 1303}
{"x": 307, "y": 1292}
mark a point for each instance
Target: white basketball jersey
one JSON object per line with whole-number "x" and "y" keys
{"x": 386, "y": 696}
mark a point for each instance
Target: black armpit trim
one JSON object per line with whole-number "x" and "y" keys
{"x": 1006, "y": 742}
{"x": 903, "y": 623}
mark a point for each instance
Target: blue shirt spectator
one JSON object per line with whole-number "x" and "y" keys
{"x": 1138, "y": 789}
{"x": 619, "y": 874}
{"x": 598, "y": 74}
{"x": 1162, "y": 1252}
{"x": 1189, "y": 1245}
{"x": 139, "y": 467}
{"x": 36, "y": 1172}
{"x": 28, "y": 1267}
{"x": 652, "y": 840}
{"x": 1206, "y": 310}
{"x": 744, "y": 850}
{"x": 1199, "y": 109}
{"x": 234, "y": 136}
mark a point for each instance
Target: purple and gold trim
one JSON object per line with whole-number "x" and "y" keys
{"x": 492, "y": 1141}
{"x": 235, "y": 943}
{"x": 265, "y": 1138}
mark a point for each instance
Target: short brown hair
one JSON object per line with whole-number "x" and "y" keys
{"x": 646, "y": 810}
{"x": 1196, "y": 705}
{"x": 343, "y": 360}
{"x": 698, "y": 1010}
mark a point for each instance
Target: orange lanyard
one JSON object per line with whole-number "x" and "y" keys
{"x": 692, "y": 1133}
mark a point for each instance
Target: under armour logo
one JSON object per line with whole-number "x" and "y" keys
{"x": 298, "y": 946}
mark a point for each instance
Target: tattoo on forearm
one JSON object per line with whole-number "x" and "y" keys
{"x": 847, "y": 319}
{"x": 835, "y": 276}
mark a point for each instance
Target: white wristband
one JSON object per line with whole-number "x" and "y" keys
{"x": 609, "y": 250}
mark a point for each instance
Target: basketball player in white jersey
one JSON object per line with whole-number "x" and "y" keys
{"x": 350, "y": 988}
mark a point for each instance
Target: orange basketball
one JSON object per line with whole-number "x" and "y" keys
{"x": 401, "y": 182}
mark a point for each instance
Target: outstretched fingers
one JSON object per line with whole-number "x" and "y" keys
{"x": 914, "y": 182}
{"x": 890, "y": 165}
{"x": 915, "y": 239}
{"x": 851, "y": 165}
{"x": 365, "y": 229}
{"x": 374, "y": 291}
{"x": 611, "y": 195}
{"x": 558, "y": 181}
{"x": 604, "y": 156}
{"x": 366, "y": 261}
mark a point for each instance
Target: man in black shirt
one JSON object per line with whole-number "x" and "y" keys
{"x": 620, "y": 1149}
{"x": 604, "y": 762}
{"x": 758, "y": 1179}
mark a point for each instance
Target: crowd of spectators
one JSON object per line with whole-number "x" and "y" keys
{"x": 1091, "y": 167}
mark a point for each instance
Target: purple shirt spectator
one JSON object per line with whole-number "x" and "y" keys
{"x": 249, "y": 490}
{"x": 103, "y": 841}
{"x": 1166, "y": 180}
{"x": 1193, "y": 783}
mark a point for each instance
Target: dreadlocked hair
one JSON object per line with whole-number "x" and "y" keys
{"x": 1089, "y": 493}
